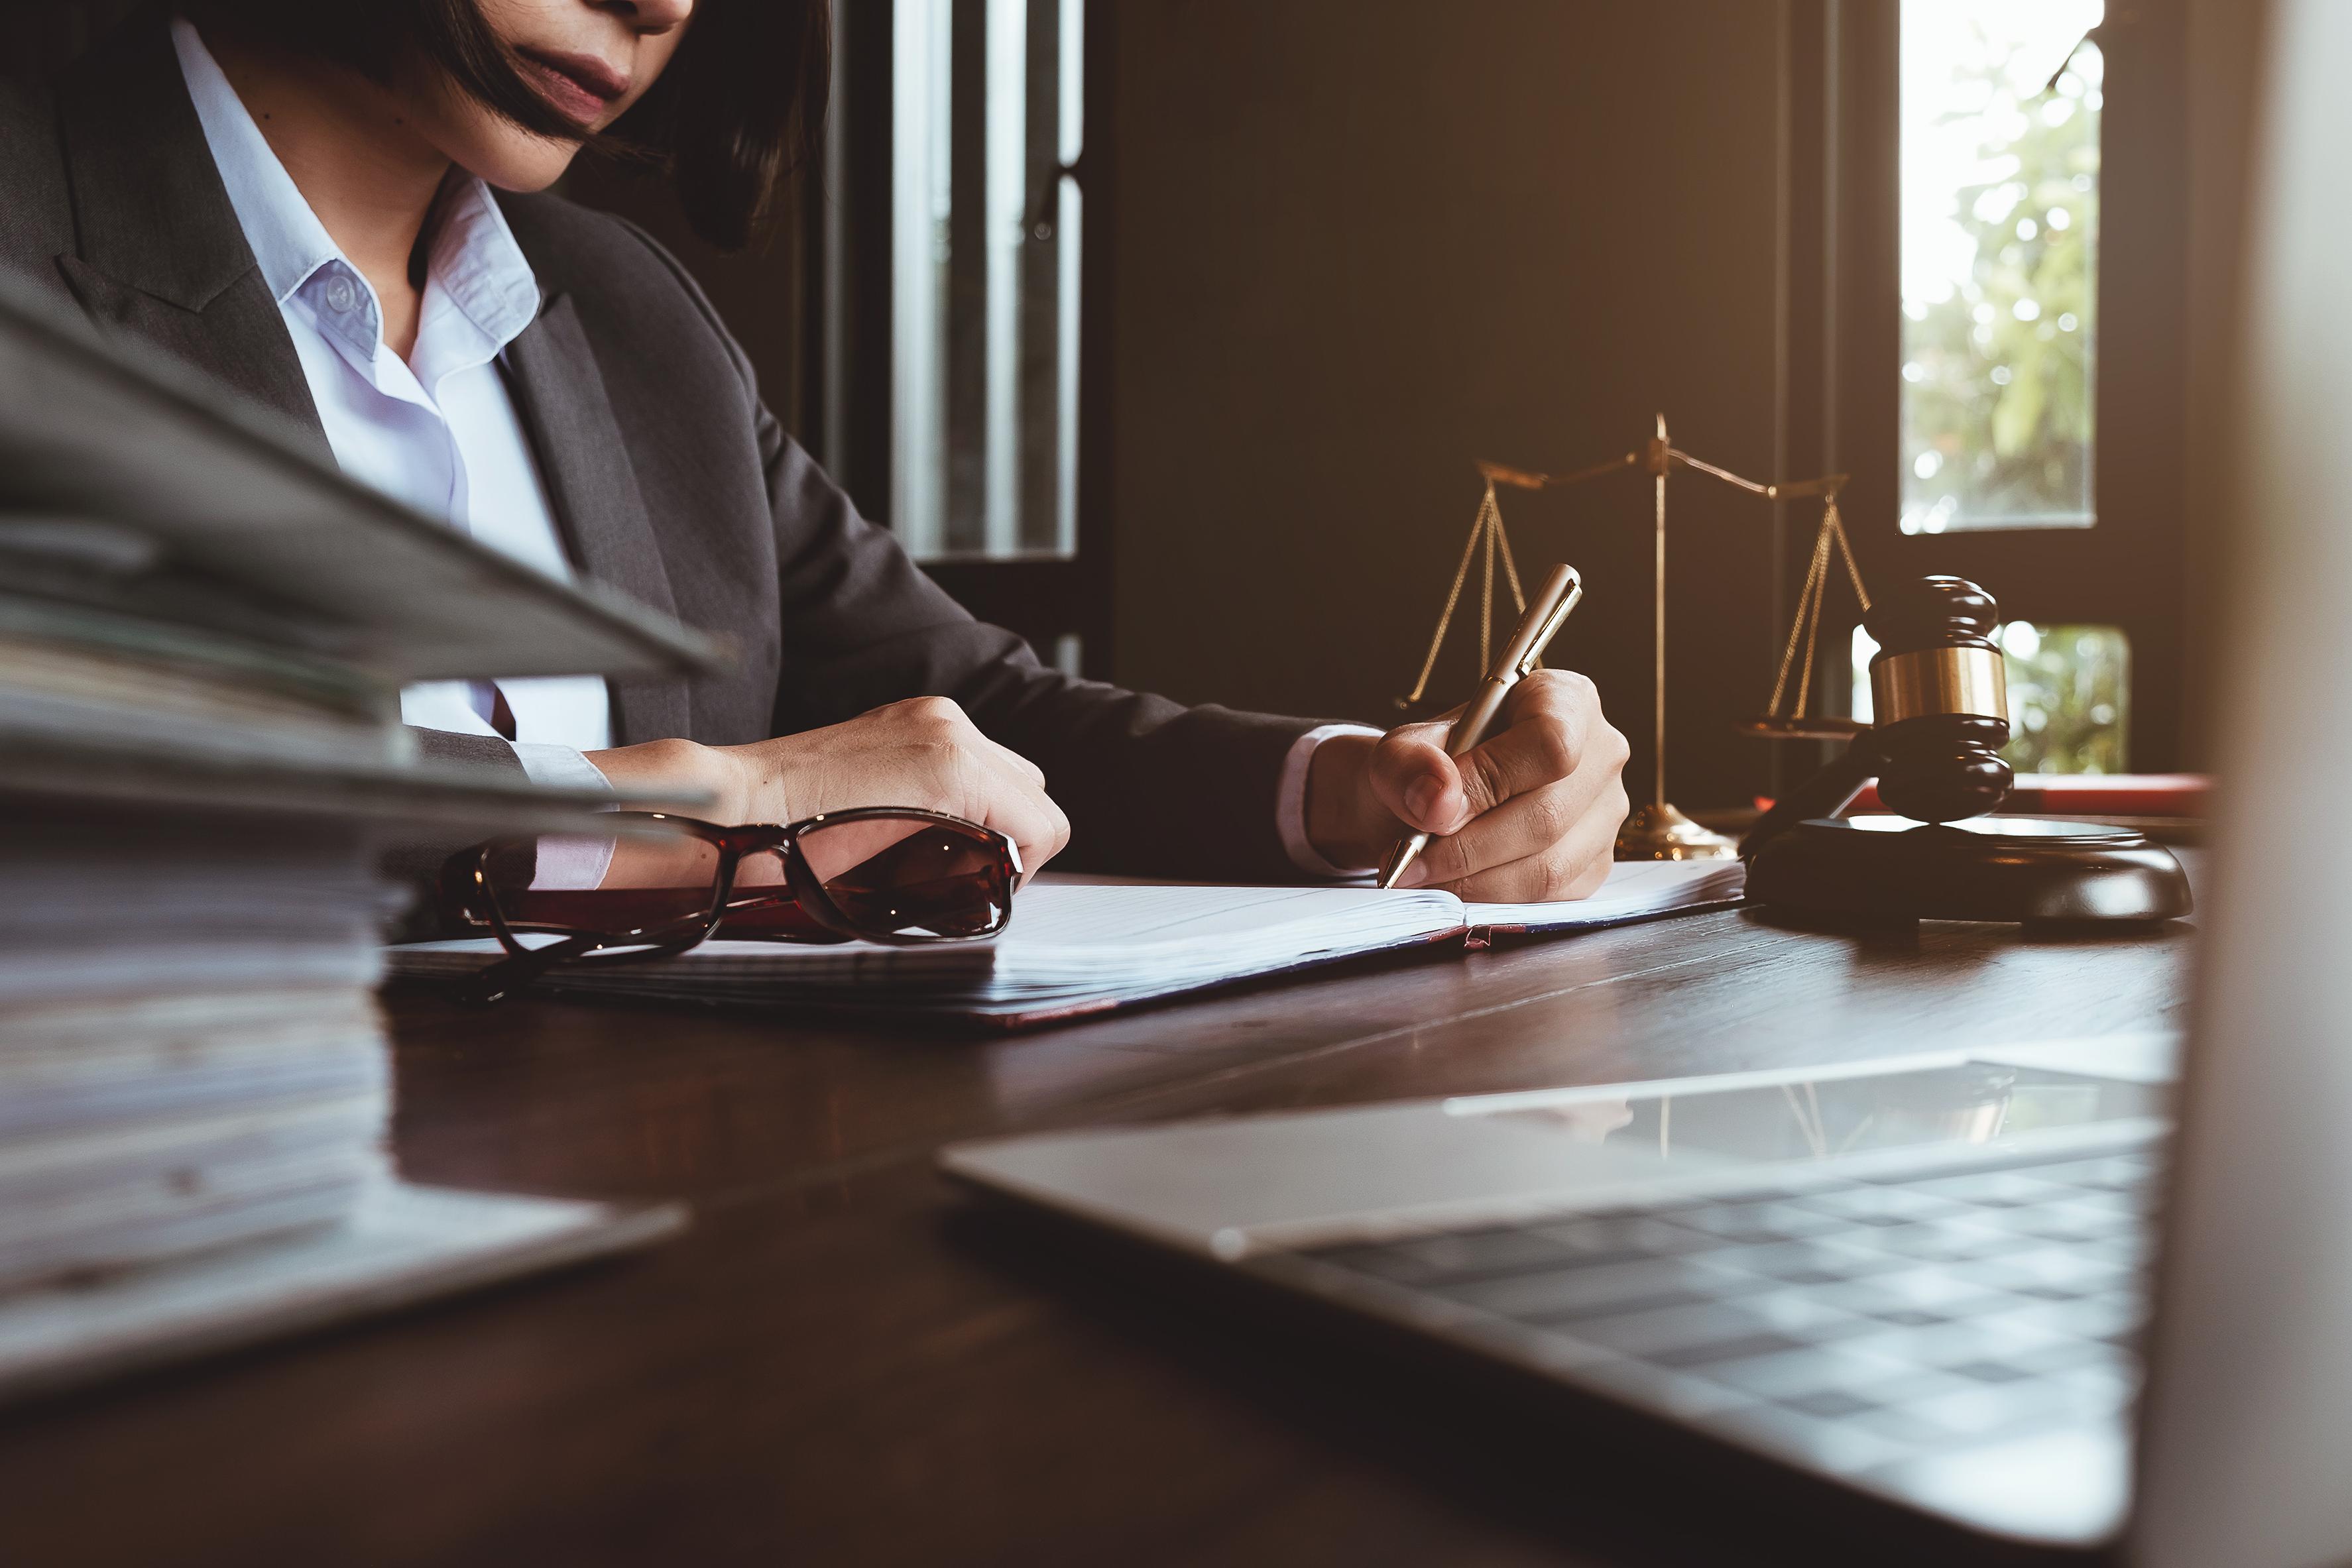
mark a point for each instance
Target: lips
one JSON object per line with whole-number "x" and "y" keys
{"x": 580, "y": 87}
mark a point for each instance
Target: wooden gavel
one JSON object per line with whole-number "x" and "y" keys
{"x": 1941, "y": 697}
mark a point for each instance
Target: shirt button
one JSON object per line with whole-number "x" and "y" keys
{"x": 340, "y": 295}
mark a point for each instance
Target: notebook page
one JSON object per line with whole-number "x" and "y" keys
{"x": 1635, "y": 889}
{"x": 1126, "y": 914}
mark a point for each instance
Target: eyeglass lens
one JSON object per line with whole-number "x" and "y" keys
{"x": 908, "y": 877}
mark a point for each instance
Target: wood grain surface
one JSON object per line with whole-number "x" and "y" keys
{"x": 845, "y": 1361}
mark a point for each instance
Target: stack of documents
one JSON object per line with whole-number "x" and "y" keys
{"x": 203, "y": 636}
{"x": 190, "y": 1056}
{"x": 87, "y": 656}
{"x": 1080, "y": 945}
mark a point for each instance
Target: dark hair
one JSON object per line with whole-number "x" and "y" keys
{"x": 741, "y": 106}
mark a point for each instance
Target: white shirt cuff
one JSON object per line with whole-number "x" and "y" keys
{"x": 565, "y": 861}
{"x": 559, "y": 767}
{"x": 1290, "y": 801}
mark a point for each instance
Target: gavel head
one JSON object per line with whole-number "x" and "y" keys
{"x": 1941, "y": 701}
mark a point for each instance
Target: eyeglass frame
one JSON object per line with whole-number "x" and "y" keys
{"x": 801, "y": 887}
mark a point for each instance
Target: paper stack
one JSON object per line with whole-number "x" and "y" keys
{"x": 203, "y": 636}
{"x": 95, "y": 640}
{"x": 190, "y": 1056}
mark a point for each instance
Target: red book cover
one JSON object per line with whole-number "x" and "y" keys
{"x": 2093, "y": 795}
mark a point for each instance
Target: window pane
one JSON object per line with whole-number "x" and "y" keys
{"x": 2069, "y": 695}
{"x": 984, "y": 275}
{"x": 2000, "y": 209}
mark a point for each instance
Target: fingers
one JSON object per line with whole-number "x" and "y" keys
{"x": 1549, "y": 724}
{"x": 1523, "y": 826}
{"x": 923, "y": 751}
{"x": 1531, "y": 813}
{"x": 1014, "y": 802}
{"x": 1548, "y": 721}
{"x": 1415, "y": 782}
{"x": 1572, "y": 865}
{"x": 1010, "y": 794}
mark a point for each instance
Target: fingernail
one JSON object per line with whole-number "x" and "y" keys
{"x": 1413, "y": 875}
{"x": 1421, "y": 800}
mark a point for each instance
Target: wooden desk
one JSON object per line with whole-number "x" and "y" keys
{"x": 832, "y": 1367}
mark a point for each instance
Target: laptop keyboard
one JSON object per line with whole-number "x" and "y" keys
{"x": 1857, "y": 1325}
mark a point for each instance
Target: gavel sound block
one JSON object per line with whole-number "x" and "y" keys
{"x": 1940, "y": 694}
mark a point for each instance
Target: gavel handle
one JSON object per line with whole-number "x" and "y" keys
{"x": 1825, "y": 794}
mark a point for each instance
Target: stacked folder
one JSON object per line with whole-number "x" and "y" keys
{"x": 203, "y": 636}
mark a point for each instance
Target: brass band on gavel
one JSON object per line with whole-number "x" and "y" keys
{"x": 1939, "y": 681}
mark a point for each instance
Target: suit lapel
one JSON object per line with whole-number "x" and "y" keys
{"x": 160, "y": 254}
{"x": 561, "y": 395}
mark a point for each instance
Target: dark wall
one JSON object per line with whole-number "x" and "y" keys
{"x": 1362, "y": 245}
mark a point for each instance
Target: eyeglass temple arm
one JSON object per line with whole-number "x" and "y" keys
{"x": 511, "y": 973}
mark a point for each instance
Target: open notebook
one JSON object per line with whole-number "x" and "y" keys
{"x": 1080, "y": 945}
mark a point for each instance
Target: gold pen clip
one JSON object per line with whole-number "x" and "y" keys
{"x": 1568, "y": 587}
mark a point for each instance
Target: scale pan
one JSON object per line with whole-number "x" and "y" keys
{"x": 1811, "y": 727}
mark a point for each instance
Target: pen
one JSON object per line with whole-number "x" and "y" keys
{"x": 1545, "y": 614}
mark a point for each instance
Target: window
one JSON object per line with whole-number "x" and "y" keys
{"x": 2000, "y": 112}
{"x": 2069, "y": 695}
{"x": 986, "y": 122}
{"x": 957, "y": 313}
{"x": 2005, "y": 322}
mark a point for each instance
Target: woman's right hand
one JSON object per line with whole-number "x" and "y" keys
{"x": 921, "y": 752}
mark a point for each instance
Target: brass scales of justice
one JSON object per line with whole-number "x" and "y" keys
{"x": 1939, "y": 687}
{"x": 1658, "y": 831}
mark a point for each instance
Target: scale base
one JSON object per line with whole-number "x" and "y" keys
{"x": 1662, "y": 834}
{"x": 2019, "y": 869}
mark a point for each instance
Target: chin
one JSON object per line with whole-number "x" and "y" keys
{"x": 515, "y": 161}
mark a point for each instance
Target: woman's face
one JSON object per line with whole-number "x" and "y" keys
{"x": 590, "y": 59}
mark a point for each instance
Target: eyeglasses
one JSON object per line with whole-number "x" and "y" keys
{"x": 876, "y": 874}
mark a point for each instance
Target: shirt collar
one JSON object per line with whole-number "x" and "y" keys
{"x": 480, "y": 267}
{"x": 287, "y": 237}
{"x": 476, "y": 260}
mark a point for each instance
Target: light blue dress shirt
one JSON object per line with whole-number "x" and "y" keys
{"x": 438, "y": 429}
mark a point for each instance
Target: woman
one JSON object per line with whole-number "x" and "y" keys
{"x": 335, "y": 209}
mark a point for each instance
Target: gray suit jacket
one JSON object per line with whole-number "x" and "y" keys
{"x": 669, "y": 478}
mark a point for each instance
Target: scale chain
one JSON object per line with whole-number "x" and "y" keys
{"x": 1487, "y": 592}
{"x": 1487, "y": 507}
{"x": 1510, "y": 569}
{"x": 1821, "y": 576}
{"x": 1806, "y": 626}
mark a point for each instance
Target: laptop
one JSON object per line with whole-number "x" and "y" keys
{"x": 2057, "y": 1296}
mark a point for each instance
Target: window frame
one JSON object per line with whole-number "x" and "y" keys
{"x": 2129, "y": 569}
{"x": 1043, "y": 599}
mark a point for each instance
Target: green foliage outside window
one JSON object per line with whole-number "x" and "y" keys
{"x": 1998, "y": 373}
{"x": 2069, "y": 692}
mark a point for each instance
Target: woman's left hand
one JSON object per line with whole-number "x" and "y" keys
{"x": 1529, "y": 815}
